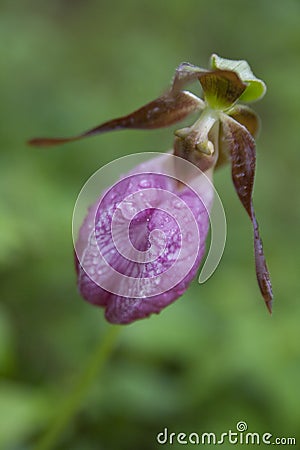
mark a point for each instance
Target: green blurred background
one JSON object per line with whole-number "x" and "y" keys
{"x": 214, "y": 357}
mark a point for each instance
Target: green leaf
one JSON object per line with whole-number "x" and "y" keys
{"x": 256, "y": 88}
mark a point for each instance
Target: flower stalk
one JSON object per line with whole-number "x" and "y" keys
{"x": 74, "y": 400}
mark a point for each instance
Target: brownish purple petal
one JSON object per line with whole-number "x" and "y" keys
{"x": 161, "y": 112}
{"x": 247, "y": 117}
{"x": 242, "y": 153}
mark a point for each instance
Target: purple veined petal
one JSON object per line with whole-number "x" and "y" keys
{"x": 161, "y": 224}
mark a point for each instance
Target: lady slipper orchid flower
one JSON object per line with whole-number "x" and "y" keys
{"x": 143, "y": 240}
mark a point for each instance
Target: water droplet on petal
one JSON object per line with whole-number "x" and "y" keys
{"x": 145, "y": 183}
{"x": 177, "y": 204}
{"x": 189, "y": 237}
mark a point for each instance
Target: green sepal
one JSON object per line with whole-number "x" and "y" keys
{"x": 255, "y": 89}
{"x": 221, "y": 88}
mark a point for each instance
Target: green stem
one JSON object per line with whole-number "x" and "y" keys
{"x": 73, "y": 402}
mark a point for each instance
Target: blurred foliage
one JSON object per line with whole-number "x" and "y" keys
{"x": 215, "y": 356}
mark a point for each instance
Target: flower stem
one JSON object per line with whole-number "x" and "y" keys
{"x": 73, "y": 402}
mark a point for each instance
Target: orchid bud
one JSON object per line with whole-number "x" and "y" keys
{"x": 143, "y": 239}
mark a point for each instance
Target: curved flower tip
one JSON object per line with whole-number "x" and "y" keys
{"x": 142, "y": 242}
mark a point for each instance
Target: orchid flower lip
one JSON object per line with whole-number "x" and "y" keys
{"x": 190, "y": 207}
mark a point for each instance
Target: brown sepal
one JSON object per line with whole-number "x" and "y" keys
{"x": 243, "y": 158}
{"x": 161, "y": 112}
{"x": 247, "y": 117}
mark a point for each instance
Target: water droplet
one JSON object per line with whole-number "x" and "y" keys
{"x": 177, "y": 204}
{"x": 189, "y": 237}
{"x": 128, "y": 209}
{"x": 144, "y": 183}
{"x": 91, "y": 271}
